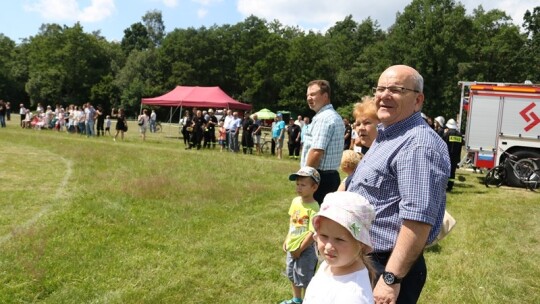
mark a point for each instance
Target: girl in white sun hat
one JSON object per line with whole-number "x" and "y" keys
{"x": 342, "y": 235}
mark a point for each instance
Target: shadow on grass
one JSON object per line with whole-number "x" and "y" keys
{"x": 434, "y": 249}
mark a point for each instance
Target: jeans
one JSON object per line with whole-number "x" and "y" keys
{"x": 233, "y": 141}
{"x": 90, "y": 128}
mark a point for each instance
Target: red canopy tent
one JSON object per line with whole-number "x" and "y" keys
{"x": 201, "y": 97}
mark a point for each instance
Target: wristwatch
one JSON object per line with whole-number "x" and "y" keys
{"x": 390, "y": 278}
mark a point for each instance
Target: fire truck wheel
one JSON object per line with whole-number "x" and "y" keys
{"x": 512, "y": 179}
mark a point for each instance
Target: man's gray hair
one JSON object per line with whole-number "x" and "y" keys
{"x": 418, "y": 82}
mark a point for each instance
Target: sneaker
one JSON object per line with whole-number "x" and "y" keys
{"x": 291, "y": 301}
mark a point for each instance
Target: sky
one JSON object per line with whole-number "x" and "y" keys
{"x": 23, "y": 18}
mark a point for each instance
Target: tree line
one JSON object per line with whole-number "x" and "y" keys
{"x": 268, "y": 64}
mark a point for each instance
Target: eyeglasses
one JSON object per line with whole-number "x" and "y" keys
{"x": 395, "y": 90}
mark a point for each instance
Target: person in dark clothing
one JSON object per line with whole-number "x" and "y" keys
{"x": 293, "y": 130}
{"x": 247, "y": 138}
{"x": 454, "y": 141}
{"x": 187, "y": 122}
{"x": 210, "y": 131}
{"x": 199, "y": 123}
{"x": 100, "y": 121}
{"x": 348, "y": 133}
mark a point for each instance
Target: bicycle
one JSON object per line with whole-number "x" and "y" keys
{"x": 533, "y": 181}
{"x": 266, "y": 145}
{"x": 521, "y": 168}
{"x": 158, "y": 128}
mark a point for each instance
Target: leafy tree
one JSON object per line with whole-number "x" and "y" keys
{"x": 10, "y": 86}
{"x": 154, "y": 26}
{"x": 136, "y": 37}
{"x": 432, "y": 36}
{"x": 64, "y": 63}
{"x": 532, "y": 51}
{"x": 360, "y": 72}
{"x": 137, "y": 79}
{"x": 495, "y": 49}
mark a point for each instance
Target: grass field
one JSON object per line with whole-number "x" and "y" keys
{"x": 89, "y": 220}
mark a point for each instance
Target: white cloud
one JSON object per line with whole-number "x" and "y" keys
{"x": 68, "y": 10}
{"x": 98, "y": 10}
{"x": 170, "y": 3}
{"x": 206, "y": 2}
{"x": 322, "y": 14}
{"x": 201, "y": 13}
{"x": 318, "y": 13}
{"x": 514, "y": 9}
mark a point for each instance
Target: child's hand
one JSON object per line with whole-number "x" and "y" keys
{"x": 296, "y": 254}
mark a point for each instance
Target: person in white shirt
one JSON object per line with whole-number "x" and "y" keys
{"x": 342, "y": 235}
{"x": 153, "y": 117}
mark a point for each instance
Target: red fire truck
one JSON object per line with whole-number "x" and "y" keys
{"x": 501, "y": 117}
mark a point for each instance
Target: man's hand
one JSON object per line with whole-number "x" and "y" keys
{"x": 385, "y": 294}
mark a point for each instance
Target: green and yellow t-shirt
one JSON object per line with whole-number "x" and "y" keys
{"x": 301, "y": 222}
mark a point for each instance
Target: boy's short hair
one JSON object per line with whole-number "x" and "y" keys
{"x": 350, "y": 159}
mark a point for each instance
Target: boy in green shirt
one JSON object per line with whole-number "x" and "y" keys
{"x": 299, "y": 243}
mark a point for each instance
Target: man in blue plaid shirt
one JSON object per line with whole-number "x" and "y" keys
{"x": 323, "y": 140}
{"x": 404, "y": 175}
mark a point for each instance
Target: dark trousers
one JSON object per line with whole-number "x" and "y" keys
{"x": 273, "y": 147}
{"x": 412, "y": 283}
{"x": 453, "y": 167}
{"x": 294, "y": 148}
{"x": 186, "y": 135}
{"x": 196, "y": 138}
{"x": 329, "y": 183}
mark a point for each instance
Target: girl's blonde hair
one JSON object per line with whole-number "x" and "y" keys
{"x": 350, "y": 159}
{"x": 368, "y": 262}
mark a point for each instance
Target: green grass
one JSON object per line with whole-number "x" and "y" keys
{"x": 93, "y": 221}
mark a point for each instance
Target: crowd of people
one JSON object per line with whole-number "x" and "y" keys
{"x": 85, "y": 120}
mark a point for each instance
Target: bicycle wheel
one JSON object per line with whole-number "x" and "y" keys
{"x": 265, "y": 148}
{"x": 495, "y": 177}
{"x": 523, "y": 169}
{"x": 533, "y": 181}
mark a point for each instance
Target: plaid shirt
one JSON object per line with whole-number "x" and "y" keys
{"x": 326, "y": 133}
{"x": 404, "y": 175}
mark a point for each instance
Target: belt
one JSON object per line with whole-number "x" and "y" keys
{"x": 381, "y": 255}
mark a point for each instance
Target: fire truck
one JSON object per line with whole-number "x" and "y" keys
{"x": 500, "y": 117}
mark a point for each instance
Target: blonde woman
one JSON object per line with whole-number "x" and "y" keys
{"x": 366, "y": 121}
{"x": 143, "y": 122}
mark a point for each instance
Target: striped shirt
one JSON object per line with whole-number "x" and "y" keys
{"x": 326, "y": 133}
{"x": 404, "y": 175}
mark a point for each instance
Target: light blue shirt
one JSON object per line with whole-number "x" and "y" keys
{"x": 325, "y": 133}
{"x": 303, "y": 132}
{"x": 276, "y": 130}
{"x": 404, "y": 175}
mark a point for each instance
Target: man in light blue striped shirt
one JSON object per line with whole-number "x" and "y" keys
{"x": 323, "y": 141}
{"x": 404, "y": 175}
